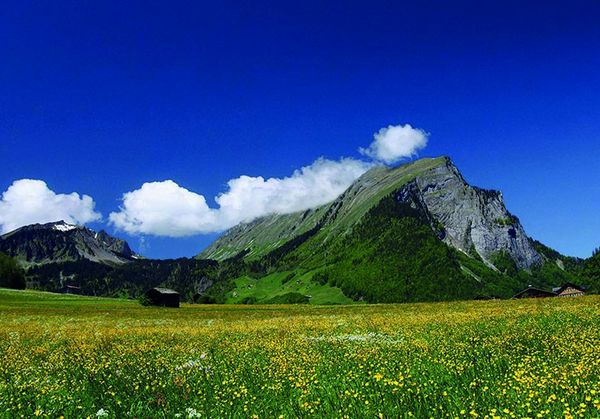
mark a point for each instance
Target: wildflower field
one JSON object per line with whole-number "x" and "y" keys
{"x": 67, "y": 356}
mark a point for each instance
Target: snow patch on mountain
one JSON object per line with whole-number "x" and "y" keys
{"x": 64, "y": 227}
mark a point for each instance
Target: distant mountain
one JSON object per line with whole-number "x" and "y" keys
{"x": 62, "y": 242}
{"x": 56, "y": 255}
{"x": 411, "y": 233}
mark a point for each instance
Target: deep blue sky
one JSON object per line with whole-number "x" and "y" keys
{"x": 99, "y": 97}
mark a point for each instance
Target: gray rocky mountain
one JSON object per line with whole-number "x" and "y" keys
{"x": 61, "y": 242}
{"x": 473, "y": 219}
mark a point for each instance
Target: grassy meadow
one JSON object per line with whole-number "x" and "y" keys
{"x": 69, "y": 356}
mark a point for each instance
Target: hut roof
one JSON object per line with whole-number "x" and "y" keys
{"x": 560, "y": 289}
{"x": 165, "y": 290}
{"x": 535, "y": 290}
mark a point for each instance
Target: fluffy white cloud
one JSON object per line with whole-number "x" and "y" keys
{"x": 164, "y": 209}
{"x": 167, "y": 209}
{"x": 321, "y": 182}
{"x": 29, "y": 201}
{"x": 395, "y": 142}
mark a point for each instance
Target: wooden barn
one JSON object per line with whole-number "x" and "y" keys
{"x": 163, "y": 297}
{"x": 569, "y": 290}
{"x": 533, "y": 292}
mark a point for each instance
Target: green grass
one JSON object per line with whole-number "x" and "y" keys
{"x": 84, "y": 357}
{"x": 273, "y": 285}
{"x": 10, "y": 298}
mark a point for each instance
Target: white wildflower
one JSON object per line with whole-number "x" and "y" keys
{"x": 101, "y": 413}
{"x": 192, "y": 413}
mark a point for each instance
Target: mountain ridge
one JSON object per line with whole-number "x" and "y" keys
{"x": 416, "y": 232}
{"x": 472, "y": 218}
{"x": 282, "y": 227}
{"x": 60, "y": 242}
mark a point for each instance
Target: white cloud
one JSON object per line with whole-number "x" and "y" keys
{"x": 29, "y": 201}
{"x": 395, "y": 142}
{"x": 164, "y": 209}
{"x": 321, "y": 182}
{"x": 167, "y": 209}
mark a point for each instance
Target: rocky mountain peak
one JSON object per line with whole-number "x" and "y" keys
{"x": 60, "y": 241}
{"x": 474, "y": 220}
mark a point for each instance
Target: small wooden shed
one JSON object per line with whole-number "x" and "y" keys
{"x": 163, "y": 297}
{"x": 533, "y": 292}
{"x": 569, "y": 290}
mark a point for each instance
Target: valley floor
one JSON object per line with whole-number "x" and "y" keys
{"x": 78, "y": 357}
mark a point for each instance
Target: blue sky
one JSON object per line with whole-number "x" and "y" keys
{"x": 102, "y": 98}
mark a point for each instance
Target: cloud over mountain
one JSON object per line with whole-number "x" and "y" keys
{"x": 167, "y": 209}
{"x": 395, "y": 142}
{"x": 30, "y": 201}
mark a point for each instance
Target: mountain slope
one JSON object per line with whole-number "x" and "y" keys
{"x": 57, "y": 255}
{"x": 264, "y": 234}
{"x": 417, "y": 232}
{"x": 61, "y": 242}
{"x": 472, "y": 220}
{"x": 393, "y": 255}
{"x": 188, "y": 276}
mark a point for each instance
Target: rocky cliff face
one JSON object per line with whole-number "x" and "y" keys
{"x": 472, "y": 220}
{"x": 60, "y": 242}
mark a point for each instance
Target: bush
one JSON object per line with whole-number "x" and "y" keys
{"x": 11, "y": 274}
{"x": 288, "y": 278}
{"x": 321, "y": 277}
{"x": 144, "y": 300}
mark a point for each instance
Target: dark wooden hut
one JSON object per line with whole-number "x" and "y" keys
{"x": 533, "y": 292}
{"x": 569, "y": 290}
{"x": 163, "y": 297}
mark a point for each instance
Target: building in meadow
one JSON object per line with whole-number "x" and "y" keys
{"x": 163, "y": 297}
{"x": 534, "y": 292}
{"x": 569, "y": 290}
